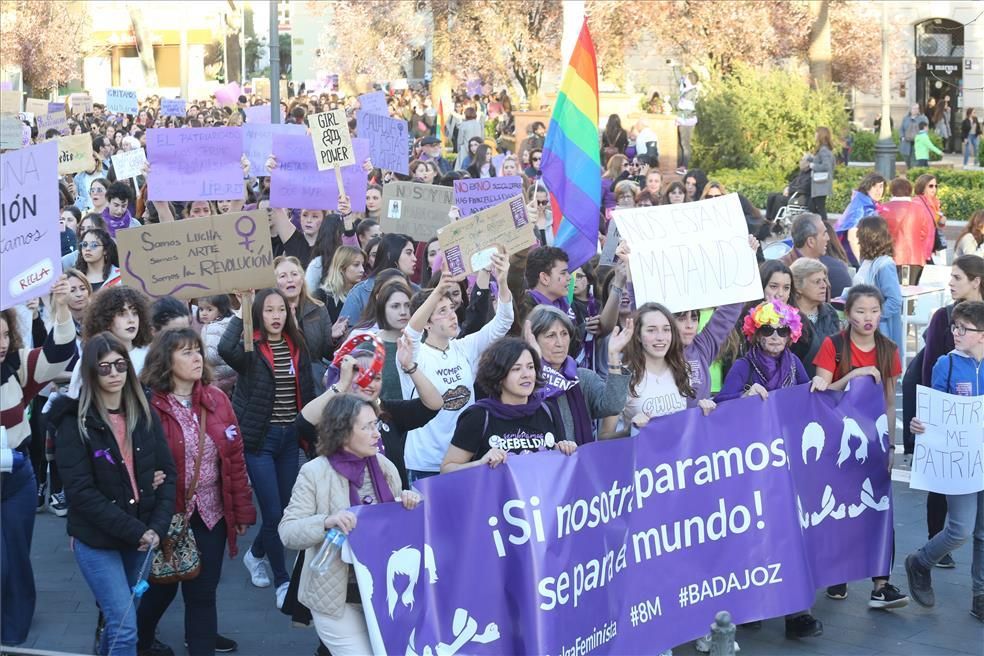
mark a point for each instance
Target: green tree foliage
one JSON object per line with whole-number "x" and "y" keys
{"x": 753, "y": 118}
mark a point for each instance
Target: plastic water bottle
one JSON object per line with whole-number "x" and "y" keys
{"x": 329, "y": 551}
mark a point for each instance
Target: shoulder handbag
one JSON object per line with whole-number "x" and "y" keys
{"x": 178, "y": 558}
{"x": 939, "y": 239}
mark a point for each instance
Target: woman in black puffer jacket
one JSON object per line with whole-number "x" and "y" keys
{"x": 109, "y": 446}
{"x": 274, "y": 384}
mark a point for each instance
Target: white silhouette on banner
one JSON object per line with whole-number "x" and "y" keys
{"x": 814, "y": 440}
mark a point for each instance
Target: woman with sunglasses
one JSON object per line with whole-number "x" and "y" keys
{"x": 97, "y": 259}
{"x": 926, "y": 196}
{"x": 109, "y": 446}
{"x": 539, "y": 208}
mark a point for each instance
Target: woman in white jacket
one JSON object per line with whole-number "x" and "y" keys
{"x": 348, "y": 471}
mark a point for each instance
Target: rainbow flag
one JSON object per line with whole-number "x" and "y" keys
{"x": 571, "y": 160}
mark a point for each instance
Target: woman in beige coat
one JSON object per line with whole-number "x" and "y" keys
{"x": 348, "y": 472}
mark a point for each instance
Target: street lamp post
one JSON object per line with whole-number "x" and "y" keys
{"x": 274, "y": 63}
{"x": 885, "y": 147}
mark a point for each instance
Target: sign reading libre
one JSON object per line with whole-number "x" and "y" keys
{"x": 331, "y": 138}
{"x": 198, "y": 257}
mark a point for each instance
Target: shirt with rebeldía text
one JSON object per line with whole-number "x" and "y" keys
{"x": 479, "y": 431}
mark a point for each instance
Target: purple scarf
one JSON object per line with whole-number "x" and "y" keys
{"x": 561, "y": 303}
{"x": 500, "y": 410}
{"x": 113, "y": 224}
{"x": 353, "y": 468}
{"x": 774, "y": 373}
{"x": 565, "y": 383}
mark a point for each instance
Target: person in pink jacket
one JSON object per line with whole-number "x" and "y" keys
{"x": 912, "y": 228}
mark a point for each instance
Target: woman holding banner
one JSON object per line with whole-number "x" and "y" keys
{"x": 349, "y": 471}
{"x": 274, "y": 384}
{"x": 514, "y": 418}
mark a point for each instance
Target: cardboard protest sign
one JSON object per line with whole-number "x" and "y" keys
{"x": 129, "y": 164}
{"x": 692, "y": 255}
{"x": 198, "y": 257}
{"x": 331, "y": 139}
{"x": 469, "y": 243}
{"x": 258, "y": 142}
{"x": 74, "y": 153}
{"x": 122, "y": 101}
{"x": 611, "y": 245}
{"x": 174, "y": 107}
{"x": 374, "y": 103}
{"x": 389, "y": 144}
{"x": 54, "y": 121}
{"x": 36, "y": 106}
{"x": 11, "y": 102}
{"x": 29, "y": 235}
{"x": 10, "y": 132}
{"x": 473, "y": 195}
{"x": 949, "y": 457}
{"x": 261, "y": 87}
{"x": 80, "y": 103}
{"x": 297, "y": 181}
{"x": 415, "y": 209}
{"x": 195, "y": 163}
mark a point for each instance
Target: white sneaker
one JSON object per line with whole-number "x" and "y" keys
{"x": 257, "y": 570}
{"x": 282, "y": 594}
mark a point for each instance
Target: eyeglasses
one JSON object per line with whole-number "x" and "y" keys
{"x": 106, "y": 368}
{"x": 769, "y": 331}
{"x": 90, "y": 245}
{"x": 963, "y": 330}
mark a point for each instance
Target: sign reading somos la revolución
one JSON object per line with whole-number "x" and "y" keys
{"x": 631, "y": 546}
{"x": 30, "y": 246}
{"x": 692, "y": 255}
{"x": 198, "y": 257}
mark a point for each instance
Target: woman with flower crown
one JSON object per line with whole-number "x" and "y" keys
{"x": 770, "y": 328}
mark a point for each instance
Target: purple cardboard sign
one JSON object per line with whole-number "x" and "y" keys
{"x": 29, "y": 233}
{"x": 473, "y": 195}
{"x": 374, "y": 103}
{"x": 297, "y": 182}
{"x": 195, "y": 163}
{"x": 389, "y": 144}
{"x": 174, "y": 107}
{"x": 631, "y": 546}
{"x": 260, "y": 114}
{"x": 56, "y": 107}
{"x": 258, "y": 142}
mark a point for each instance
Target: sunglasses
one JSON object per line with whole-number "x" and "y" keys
{"x": 106, "y": 368}
{"x": 90, "y": 245}
{"x": 931, "y": 186}
{"x": 543, "y": 203}
{"x": 536, "y": 159}
{"x": 769, "y": 331}
{"x": 714, "y": 195}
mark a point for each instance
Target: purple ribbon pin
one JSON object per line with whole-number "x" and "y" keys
{"x": 104, "y": 453}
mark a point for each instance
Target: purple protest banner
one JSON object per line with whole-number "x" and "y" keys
{"x": 29, "y": 234}
{"x": 297, "y": 182}
{"x": 474, "y": 195}
{"x": 195, "y": 163}
{"x": 631, "y": 546}
{"x": 374, "y": 103}
{"x": 389, "y": 145}
{"x": 260, "y": 114}
{"x": 258, "y": 142}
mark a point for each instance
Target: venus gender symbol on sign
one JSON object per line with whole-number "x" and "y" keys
{"x": 246, "y": 242}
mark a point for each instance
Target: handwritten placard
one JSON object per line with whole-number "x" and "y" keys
{"x": 195, "y": 163}
{"x": 415, "y": 209}
{"x": 473, "y": 195}
{"x": 56, "y": 107}
{"x": 129, "y": 164}
{"x": 174, "y": 107}
{"x": 468, "y": 244}
{"x": 198, "y": 257}
{"x": 258, "y": 142}
{"x": 11, "y": 132}
{"x": 11, "y": 102}
{"x": 54, "y": 121}
{"x": 297, "y": 182}
{"x": 949, "y": 457}
{"x": 36, "y": 106}
{"x": 74, "y": 153}
{"x": 331, "y": 139}
{"x": 388, "y": 141}
{"x": 374, "y": 103}
{"x": 80, "y": 103}
{"x": 121, "y": 101}
{"x": 692, "y": 255}
{"x": 29, "y": 232}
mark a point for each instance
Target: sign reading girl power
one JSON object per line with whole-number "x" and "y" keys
{"x": 631, "y": 546}
{"x": 30, "y": 244}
